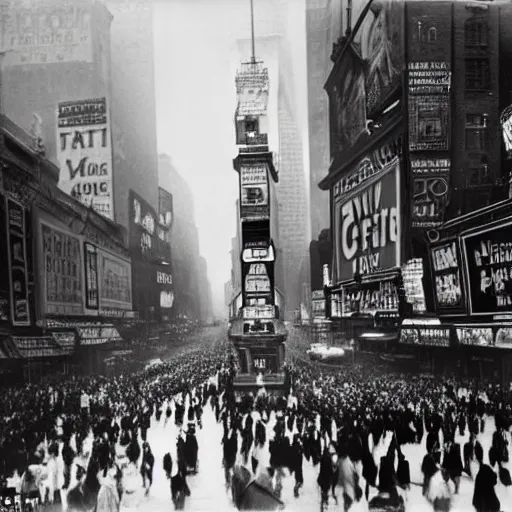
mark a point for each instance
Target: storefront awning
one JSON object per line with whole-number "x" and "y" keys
{"x": 98, "y": 335}
{"x": 66, "y": 340}
{"x": 33, "y": 346}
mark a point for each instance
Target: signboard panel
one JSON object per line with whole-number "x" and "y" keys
{"x": 45, "y": 34}
{"x": 368, "y": 226}
{"x": 429, "y": 123}
{"x": 84, "y": 151}
{"x": 430, "y": 179}
{"x": 62, "y": 264}
{"x": 431, "y": 336}
{"x": 91, "y": 276}
{"x": 488, "y": 258}
{"x": 370, "y": 298}
{"x": 254, "y": 192}
{"x": 448, "y": 290}
{"x": 252, "y": 312}
{"x": 17, "y": 263}
{"x": 115, "y": 281}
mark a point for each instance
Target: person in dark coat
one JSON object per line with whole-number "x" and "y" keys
{"x": 370, "y": 471}
{"x": 484, "y": 495}
{"x": 388, "y": 498}
{"x": 179, "y": 490}
{"x": 167, "y": 464}
{"x": 452, "y": 463}
{"x": 430, "y": 466}
{"x": 230, "y": 449}
{"x": 469, "y": 453}
{"x": 133, "y": 451}
{"x": 146, "y": 468}
{"x": 296, "y": 458}
{"x": 325, "y": 476}
{"x": 191, "y": 447}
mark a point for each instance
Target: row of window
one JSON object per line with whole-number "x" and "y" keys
{"x": 476, "y": 33}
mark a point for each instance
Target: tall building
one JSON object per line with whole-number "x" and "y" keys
{"x": 418, "y": 163}
{"x": 205, "y": 293}
{"x": 185, "y": 255}
{"x": 133, "y": 104}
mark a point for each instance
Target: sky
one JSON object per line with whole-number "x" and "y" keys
{"x": 196, "y": 58}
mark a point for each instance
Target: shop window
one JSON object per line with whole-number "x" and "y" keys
{"x": 478, "y": 76}
{"x": 476, "y": 132}
{"x": 251, "y": 126}
{"x": 475, "y": 33}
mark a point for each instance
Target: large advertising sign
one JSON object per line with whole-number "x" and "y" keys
{"x": 448, "y": 291}
{"x": 45, "y": 34}
{"x": 115, "y": 276}
{"x": 84, "y": 151}
{"x": 506, "y": 127}
{"x": 145, "y": 240}
{"x": 62, "y": 267}
{"x": 368, "y": 226}
{"x": 164, "y": 287}
{"x": 430, "y": 181}
{"x": 488, "y": 257}
{"x": 254, "y": 196}
{"x": 17, "y": 262}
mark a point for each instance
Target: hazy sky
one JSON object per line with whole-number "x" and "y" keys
{"x": 195, "y": 62}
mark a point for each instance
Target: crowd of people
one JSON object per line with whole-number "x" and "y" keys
{"x": 84, "y": 441}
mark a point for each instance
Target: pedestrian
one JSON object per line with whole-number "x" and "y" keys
{"x": 146, "y": 468}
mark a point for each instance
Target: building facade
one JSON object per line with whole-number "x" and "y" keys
{"x": 415, "y": 98}
{"x": 185, "y": 253}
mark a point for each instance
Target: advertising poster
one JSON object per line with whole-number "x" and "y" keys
{"x": 430, "y": 180}
{"x": 45, "y": 34}
{"x": 367, "y": 227}
{"x": 254, "y": 196}
{"x": 91, "y": 277}
{"x": 476, "y": 335}
{"x": 370, "y": 298}
{"x": 429, "y": 123}
{"x": 164, "y": 287}
{"x": 115, "y": 281}
{"x": 488, "y": 255}
{"x": 62, "y": 271}
{"x": 84, "y": 152}
{"x": 17, "y": 261}
{"x": 430, "y": 336}
{"x": 447, "y": 276}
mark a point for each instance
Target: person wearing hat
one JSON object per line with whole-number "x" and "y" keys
{"x": 388, "y": 498}
{"x": 296, "y": 457}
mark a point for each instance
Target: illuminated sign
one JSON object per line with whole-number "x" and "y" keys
{"x": 91, "y": 277}
{"x": 488, "y": 254}
{"x": 254, "y": 192}
{"x": 370, "y": 298}
{"x": 447, "y": 276}
{"x": 17, "y": 262}
{"x": 115, "y": 281}
{"x": 367, "y": 228}
{"x": 166, "y": 299}
{"x": 429, "y": 78}
{"x": 475, "y": 335}
{"x": 264, "y": 311}
{"x": 163, "y": 278}
{"x": 432, "y": 336}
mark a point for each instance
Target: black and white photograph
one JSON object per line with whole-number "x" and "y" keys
{"x": 255, "y": 255}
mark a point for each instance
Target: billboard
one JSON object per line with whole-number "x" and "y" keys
{"x": 448, "y": 290}
{"x": 115, "y": 277}
{"x": 254, "y": 193}
{"x": 17, "y": 263}
{"x": 488, "y": 259}
{"x": 84, "y": 152}
{"x": 367, "y": 226}
{"x": 45, "y": 34}
{"x": 430, "y": 183}
{"x": 62, "y": 271}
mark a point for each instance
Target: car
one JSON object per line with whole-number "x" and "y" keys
{"x": 323, "y": 352}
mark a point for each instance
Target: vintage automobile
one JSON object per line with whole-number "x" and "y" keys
{"x": 325, "y": 353}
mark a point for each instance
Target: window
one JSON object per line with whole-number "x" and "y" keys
{"x": 250, "y": 126}
{"x": 430, "y": 128}
{"x": 475, "y": 33}
{"x": 476, "y": 132}
{"x": 478, "y": 172}
{"x": 477, "y": 74}
{"x": 432, "y": 34}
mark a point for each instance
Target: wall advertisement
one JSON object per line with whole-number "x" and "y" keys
{"x": 45, "y": 34}
{"x": 430, "y": 181}
{"x": 91, "y": 276}
{"x": 115, "y": 277}
{"x": 367, "y": 224}
{"x": 254, "y": 193}
{"x": 17, "y": 263}
{"x": 488, "y": 258}
{"x": 62, "y": 270}
{"x": 448, "y": 289}
{"x": 429, "y": 106}
{"x": 436, "y": 336}
{"x": 164, "y": 287}
{"x": 84, "y": 151}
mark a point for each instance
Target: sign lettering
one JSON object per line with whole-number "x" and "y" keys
{"x": 254, "y": 193}
{"x": 446, "y": 270}
{"x": 163, "y": 278}
{"x": 85, "y": 153}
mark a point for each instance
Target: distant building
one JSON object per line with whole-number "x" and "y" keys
{"x": 185, "y": 256}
